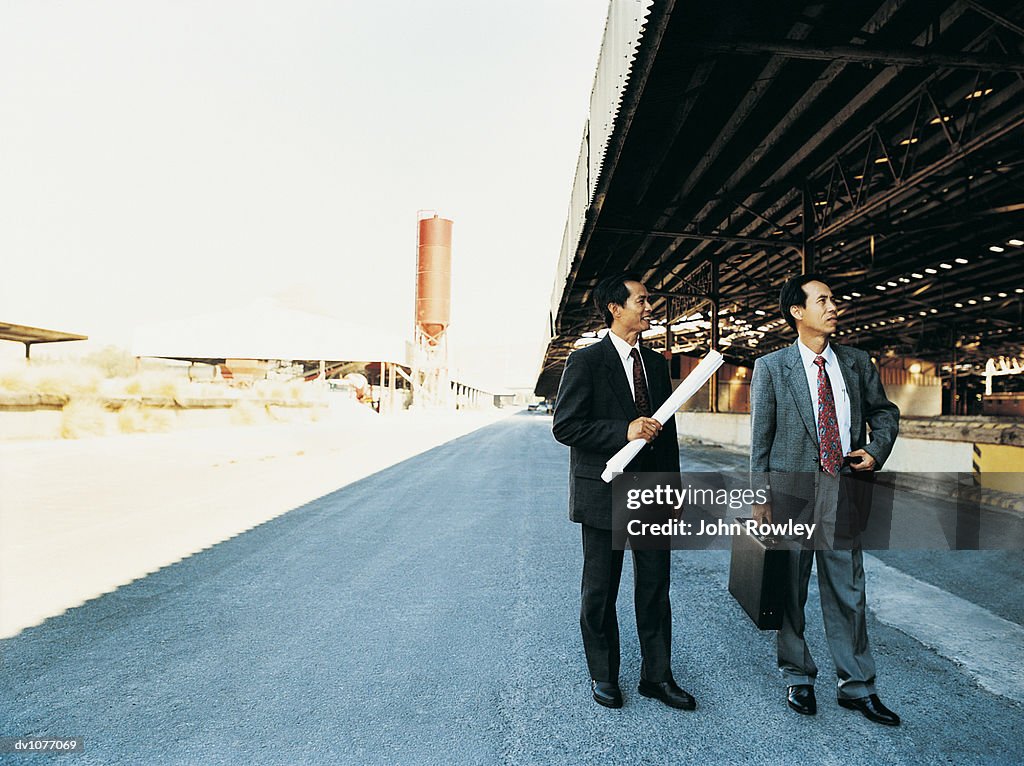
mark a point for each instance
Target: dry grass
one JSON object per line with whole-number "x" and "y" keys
{"x": 293, "y": 392}
{"x": 112, "y": 362}
{"x": 130, "y": 419}
{"x": 157, "y": 420}
{"x": 133, "y": 418}
{"x": 155, "y": 384}
{"x": 113, "y": 373}
{"x": 13, "y": 379}
{"x": 83, "y": 417}
{"x": 61, "y": 378}
{"x": 248, "y": 413}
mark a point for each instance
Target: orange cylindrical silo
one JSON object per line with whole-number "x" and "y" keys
{"x": 434, "y": 277}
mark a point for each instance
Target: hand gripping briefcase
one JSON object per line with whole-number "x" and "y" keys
{"x": 758, "y": 576}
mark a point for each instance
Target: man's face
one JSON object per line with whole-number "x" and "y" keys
{"x": 819, "y": 313}
{"x": 635, "y": 314}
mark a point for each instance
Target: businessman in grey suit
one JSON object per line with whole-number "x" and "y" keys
{"x": 811, "y": 405}
{"x": 605, "y": 399}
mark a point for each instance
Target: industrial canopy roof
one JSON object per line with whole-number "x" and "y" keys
{"x": 879, "y": 142}
{"x": 31, "y": 335}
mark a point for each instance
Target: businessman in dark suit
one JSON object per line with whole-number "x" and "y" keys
{"x": 605, "y": 399}
{"x": 811, "y": 405}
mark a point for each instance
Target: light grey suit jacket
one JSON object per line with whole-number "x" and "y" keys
{"x": 784, "y": 437}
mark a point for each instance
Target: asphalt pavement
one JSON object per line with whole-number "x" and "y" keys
{"x": 429, "y": 614}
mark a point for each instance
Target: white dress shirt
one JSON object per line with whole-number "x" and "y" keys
{"x": 623, "y": 349}
{"x": 839, "y": 392}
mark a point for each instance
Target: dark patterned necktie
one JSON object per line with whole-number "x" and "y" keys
{"x": 640, "y": 394}
{"x": 828, "y": 422}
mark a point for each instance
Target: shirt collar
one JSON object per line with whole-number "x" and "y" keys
{"x": 622, "y": 348}
{"x": 808, "y": 356}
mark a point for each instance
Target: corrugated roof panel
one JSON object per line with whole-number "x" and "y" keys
{"x": 622, "y": 35}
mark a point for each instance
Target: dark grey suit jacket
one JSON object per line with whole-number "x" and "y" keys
{"x": 592, "y": 415}
{"x": 783, "y": 434}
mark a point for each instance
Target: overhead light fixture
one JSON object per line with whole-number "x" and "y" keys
{"x": 930, "y": 271}
{"x": 958, "y": 305}
{"x": 972, "y": 302}
{"x": 904, "y": 280}
{"x": 987, "y": 298}
{"x": 977, "y": 94}
{"x": 915, "y": 275}
{"x": 846, "y": 297}
{"x": 908, "y": 141}
{"x": 1019, "y": 290}
{"x": 933, "y": 311}
{"x": 945, "y": 266}
{"x": 892, "y": 284}
{"x": 997, "y": 249}
{"x": 880, "y": 287}
{"x": 937, "y": 120}
{"x": 922, "y": 313}
{"x": 1002, "y": 295}
{"x": 1016, "y": 242}
{"x": 856, "y": 295}
{"x": 881, "y": 160}
{"x": 961, "y": 260}
{"x": 915, "y": 368}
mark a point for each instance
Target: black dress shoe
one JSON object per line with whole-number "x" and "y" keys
{"x": 871, "y": 708}
{"x": 801, "y": 699}
{"x": 606, "y": 693}
{"x": 669, "y": 693}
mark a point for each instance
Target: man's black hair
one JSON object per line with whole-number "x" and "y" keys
{"x": 793, "y": 294}
{"x": 612, "y": 290}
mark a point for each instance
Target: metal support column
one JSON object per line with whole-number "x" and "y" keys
{"x": 713, "y": 391}
{"x": 807, "y": 248}
{"x": 953, "y": 402}
{"x": 670, "y": 340}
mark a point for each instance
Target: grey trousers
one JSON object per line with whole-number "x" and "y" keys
{"x": 843, "y": 604}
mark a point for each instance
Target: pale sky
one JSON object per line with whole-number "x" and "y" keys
{"x": 160, "y": 160}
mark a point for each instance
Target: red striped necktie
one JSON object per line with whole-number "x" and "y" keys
{"x": 828, "y": 423}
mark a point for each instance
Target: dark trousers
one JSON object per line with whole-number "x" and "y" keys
{"x": 602, "y": 568}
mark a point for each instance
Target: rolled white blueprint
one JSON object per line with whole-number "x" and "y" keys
{"x": 690, "y": 385}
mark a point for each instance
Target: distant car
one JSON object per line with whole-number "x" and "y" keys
{"x": 541, "y": 407}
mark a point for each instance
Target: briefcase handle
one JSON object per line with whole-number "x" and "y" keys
{"x": 770, "y": 541}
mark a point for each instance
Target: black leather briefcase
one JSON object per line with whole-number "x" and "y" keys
{"x": 758, "y": 575}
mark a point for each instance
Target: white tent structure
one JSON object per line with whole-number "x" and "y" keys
{"x": 267, "y": 331}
